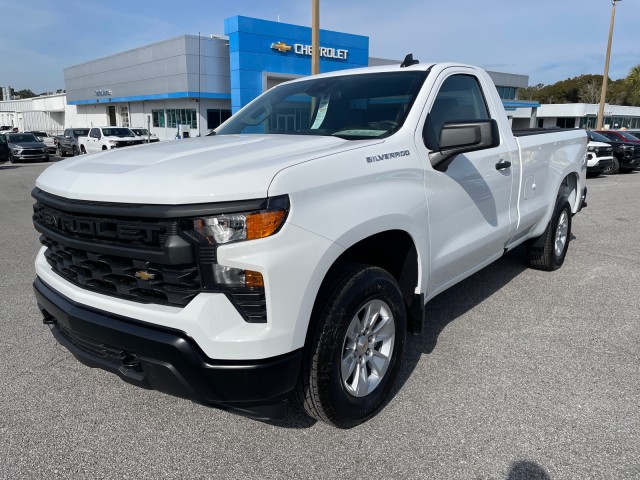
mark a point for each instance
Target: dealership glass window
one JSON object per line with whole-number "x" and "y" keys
{"x": 158, "y": 118}
{"x": 507, "y": 93}
{"x": 588, "y": 122}
{"x": 216, "y": 117}
{"x": 181, "y": 116}
{"x": 566, "y": 122}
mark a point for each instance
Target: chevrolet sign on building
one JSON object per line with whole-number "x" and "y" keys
{"x": 302, "y": 49}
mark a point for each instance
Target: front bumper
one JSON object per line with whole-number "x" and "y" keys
{"x": 166, "y": 359}
{"x": 599, "y": 165}
{"x": 31, "y": 156}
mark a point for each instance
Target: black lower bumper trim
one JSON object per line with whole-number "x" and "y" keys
{"x": 167, "y": 360}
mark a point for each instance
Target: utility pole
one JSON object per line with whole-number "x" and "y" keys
{"x": 605, "y": 77}
{"x": 315, "y": 37}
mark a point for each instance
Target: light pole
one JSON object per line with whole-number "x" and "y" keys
{"x": 315, "y": 37}
{"x": 605, "y": 77}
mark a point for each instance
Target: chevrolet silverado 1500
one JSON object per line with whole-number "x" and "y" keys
{"x": 288, "y": 254}
{"x": 107, "y": 138}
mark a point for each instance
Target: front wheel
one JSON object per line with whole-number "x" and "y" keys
{"x": 12, "y": 159}
{"x": 548, "y": 251}
{"x": 75, "y": 151}
{"x": 356, "y": 349}
{"x": 615, "y": 166}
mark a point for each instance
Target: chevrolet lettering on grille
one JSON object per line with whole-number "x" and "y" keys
{"x": 105, "y": 229}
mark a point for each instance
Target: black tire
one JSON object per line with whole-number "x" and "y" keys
{"x": 336, "y": 342}
{"x": 12, "y": 159}
{"x": 75, "y": 151}
{"x": 613, "y": 169}
{"x": 61, "y": 151}
{"x": 83, "y": 150}
{"x": 548, "y": 251}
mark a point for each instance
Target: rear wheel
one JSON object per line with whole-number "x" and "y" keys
{"x": 548, "y": 251}
{"x": 356, "y": 349}
{"x": 82, "y": 149}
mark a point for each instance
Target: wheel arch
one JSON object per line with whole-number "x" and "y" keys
{"x": 394, "y": 251}
{"x": 569, "y": 188}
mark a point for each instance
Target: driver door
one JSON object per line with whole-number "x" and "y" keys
{"x": 469, "y": 202}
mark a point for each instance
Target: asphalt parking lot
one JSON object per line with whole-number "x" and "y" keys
{"x": 521, "y": 375}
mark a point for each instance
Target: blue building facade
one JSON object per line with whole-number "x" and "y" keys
{"x": 263, "y": 53}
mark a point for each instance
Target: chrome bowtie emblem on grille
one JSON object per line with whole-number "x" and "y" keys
{"x": 145, "y": 275}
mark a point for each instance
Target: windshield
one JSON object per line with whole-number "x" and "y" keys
{"x": 117, "y": 132}
{"x": 21, "y": 138}
{"x": 351, "y": 106}
{"x": 140, "y": 131}
{"x": 596, "y": 137}
{"x": 629, "y": 137}
{"x": 81, "y": 133}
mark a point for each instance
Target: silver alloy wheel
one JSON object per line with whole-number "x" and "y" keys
{"x": 561, "y": 233}
{"x": 367, "y": 348}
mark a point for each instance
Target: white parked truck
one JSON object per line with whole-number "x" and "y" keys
{"x": 107, "y": 138}
{"x": 289, "y": 254}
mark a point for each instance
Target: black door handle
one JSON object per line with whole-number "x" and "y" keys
{"x": 502, "y": 164}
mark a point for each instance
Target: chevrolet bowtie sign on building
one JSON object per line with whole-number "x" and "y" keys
{"x": 301, "y": 49}
{"x": 263, "y": 54}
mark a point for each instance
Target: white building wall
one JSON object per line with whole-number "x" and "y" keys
{"x": 39, "y": 113}
{"x": 95, "y": 115}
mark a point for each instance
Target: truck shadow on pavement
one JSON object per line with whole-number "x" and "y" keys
{"x": 457, "y": 301}
{"x": 441, "y": 311}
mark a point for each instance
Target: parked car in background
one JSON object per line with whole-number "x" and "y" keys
{"x": 635, "y": 133}
{"x": 8, "y": 129}
{"x": 25, "y": 146}
{"x": 4, "y": 149}
{"x": 46, "y": 139}
{"x": 599, "y": 158}
{"x": 626, "y": 155}
{"x": 67, "y": 143}
{"x": 107, "y": 138}
{"x": 144, "y": 134}
{"x": 622, "y": 135}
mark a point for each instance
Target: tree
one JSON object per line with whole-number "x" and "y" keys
{"x": 633, "y": 85}
{"x": 26, "y": 93}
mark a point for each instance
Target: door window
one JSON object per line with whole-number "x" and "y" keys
{"x": 460, "y": 99}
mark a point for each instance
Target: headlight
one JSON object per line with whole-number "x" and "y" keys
{"x": 209, "y": 232}
{"x": 591, "y": 149}
{"x": 627, "y": 147}
{"x": 113, "y": 142}
{"x": 230, "y": 228}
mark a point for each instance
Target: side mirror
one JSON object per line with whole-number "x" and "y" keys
{"x": 462, "y": 137}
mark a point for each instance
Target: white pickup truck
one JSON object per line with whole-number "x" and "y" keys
{"x": 291, "y": 252}
{"x": 107, "y": 138}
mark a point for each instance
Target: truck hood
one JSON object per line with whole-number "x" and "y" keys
{"x": 198, "y": 170}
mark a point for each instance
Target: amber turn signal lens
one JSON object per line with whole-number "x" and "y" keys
{"x": 253, "y": 279}
{"x": 263, "y": 224}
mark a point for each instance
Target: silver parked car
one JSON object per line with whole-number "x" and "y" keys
{"x": 25, "y": 146}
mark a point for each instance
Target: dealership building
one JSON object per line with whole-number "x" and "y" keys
{"x": 190, "y": 84}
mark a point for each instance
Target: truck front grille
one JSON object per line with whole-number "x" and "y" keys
{"x": 134, "y": 252}
{"x": 126, "y": 278}
{"x": 604, "y": 151}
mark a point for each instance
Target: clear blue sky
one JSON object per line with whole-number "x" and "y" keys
{"x": 549, "y": 40}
